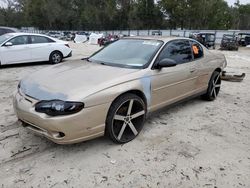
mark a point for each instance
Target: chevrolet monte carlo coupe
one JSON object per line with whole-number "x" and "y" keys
{"x": 112, "y": 91}
{"x": 26, "y": 48}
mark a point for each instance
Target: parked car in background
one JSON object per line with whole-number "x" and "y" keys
{"x": 207, "y": 39}
{"x": 247, "y": 40}
{"x": 107, "y": 39}
{"x": 243, "y": 39}
{"x": 25, "y": 47}
{"x": 67, "y": 35}
{"x": 54, "y": 34}
{"x": 229, "y": 42}
{"x": 159, "y": 33}
{"x": 113, "y": 91}
{"x": 82, "y": 33}
{"x": 4, "y": 30}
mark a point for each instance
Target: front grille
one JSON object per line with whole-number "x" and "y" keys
{"x": 54, "y": 135}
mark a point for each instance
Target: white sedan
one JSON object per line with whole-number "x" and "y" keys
{"x": 26, "y": 47}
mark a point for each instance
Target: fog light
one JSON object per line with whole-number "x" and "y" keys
{"x": 58, "y": 135}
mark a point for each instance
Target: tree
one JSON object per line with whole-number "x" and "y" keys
{"x": 145, "y": 14}
{"x": 197, "y": 14}
{"x": 125, "y": 14}
{"x": 244, "y": 17}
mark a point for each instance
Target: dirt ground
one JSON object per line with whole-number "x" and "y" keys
{"x": 193, "y": 144}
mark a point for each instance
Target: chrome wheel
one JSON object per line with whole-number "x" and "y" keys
{"x": 127, "y": 119}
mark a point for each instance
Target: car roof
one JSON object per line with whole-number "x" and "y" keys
{"x": 207, "y": 33}
{"x": 162, "y": 38}
{"x": 202, "y": 33}
{"x": 243, "y": 33}
{"x": 19, "y": 34}
{"x": 10, "y": 28}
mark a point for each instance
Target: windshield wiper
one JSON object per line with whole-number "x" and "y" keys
{"x": 103, "y": 63}
{"x": 99, "y": 62}
{"x": 86, "y": 59}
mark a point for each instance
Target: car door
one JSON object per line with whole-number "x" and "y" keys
{"x": 203, "y": 71}
{"x": 174, "y": 83}
{"x": 17, "y": 52}
{"x": 41, "y": 47}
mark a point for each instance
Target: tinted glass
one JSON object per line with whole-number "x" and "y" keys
{"x": 178, "y": 50}
{"x": 128, "y": 53}
{"x": 40, "y": 39}
{"x": 210, "y": 38}
{"x": 20, "y": 40}
{"x": 4, "y": 30}
{"x": 197, "y": 50}
{"x": 5, "y": 37}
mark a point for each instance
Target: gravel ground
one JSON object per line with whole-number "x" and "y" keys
{"x": 193, "y": 144}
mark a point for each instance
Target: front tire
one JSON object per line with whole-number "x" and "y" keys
{"x": 55, "y": 57}
{"x": 126, "y": 118}
{"x": 213, "y": 87}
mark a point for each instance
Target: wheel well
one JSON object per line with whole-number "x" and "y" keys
{"x": 139, "y": 94}
{"x": 56, "y": 51}
{"x": 135, "y": 92}
{"x": 218, "y": 70}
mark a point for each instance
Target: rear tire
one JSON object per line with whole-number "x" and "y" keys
{"x": 125, "y": 118}
{"x": 55, "y": 57}
{"x": 213, "y": 87}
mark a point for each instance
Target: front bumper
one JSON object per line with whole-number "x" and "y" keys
{"x": 84, "y": 125}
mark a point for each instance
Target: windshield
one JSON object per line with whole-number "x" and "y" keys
{"x": 131, "y": 53}
{"x": 228, "y": 37}
{"x": 210, "y": 38}
{"x": 244, "y": 35}
{"x": 5, "y": 37}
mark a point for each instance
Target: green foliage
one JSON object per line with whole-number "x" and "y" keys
{"x": 125, "y": 14}
{"x": 197, "y": 14}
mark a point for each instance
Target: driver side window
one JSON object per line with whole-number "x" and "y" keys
{"x": 20, "y": 40}
{"x": 177, "y": 50}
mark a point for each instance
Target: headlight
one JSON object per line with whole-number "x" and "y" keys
{"x": 58, "y": 107}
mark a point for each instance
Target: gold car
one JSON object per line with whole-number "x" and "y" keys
{"x": 112, "y": 91}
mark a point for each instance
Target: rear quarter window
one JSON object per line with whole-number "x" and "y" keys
{"x": 40, "y": 39}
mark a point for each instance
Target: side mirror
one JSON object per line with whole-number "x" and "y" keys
{"x": 166, "y": 63}
{"x": 8, "y": 44}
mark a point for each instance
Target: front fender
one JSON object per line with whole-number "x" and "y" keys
{"x": 108, "y": 95}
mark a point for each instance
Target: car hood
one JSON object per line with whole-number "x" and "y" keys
{"x": 72, "y": 81}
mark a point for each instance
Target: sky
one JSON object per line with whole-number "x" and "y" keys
{"x": 230, "y": 2}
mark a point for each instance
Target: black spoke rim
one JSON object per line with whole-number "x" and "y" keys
{"x": 216, "y": 83}
{"x": 128, "y": 120}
